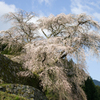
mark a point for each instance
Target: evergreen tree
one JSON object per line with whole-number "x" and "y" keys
{"x": 90, "y": 90}
{"x": 98, "y": 90}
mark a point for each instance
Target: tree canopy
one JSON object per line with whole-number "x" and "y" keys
{"x": 22, "y": 30}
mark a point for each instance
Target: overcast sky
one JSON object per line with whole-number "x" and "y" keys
{"x": 47, "y": 7}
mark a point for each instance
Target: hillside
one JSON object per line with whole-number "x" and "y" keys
{"x": 9, "y": 74}
{"x": 11, "y": 82}
{"x": 96, "y": 82}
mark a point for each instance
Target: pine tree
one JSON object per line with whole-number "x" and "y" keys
{"x": 90, "y": 90}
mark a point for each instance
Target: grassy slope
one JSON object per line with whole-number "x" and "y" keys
{"x": 7, "y": 96}
{"x": 4, "y": 64}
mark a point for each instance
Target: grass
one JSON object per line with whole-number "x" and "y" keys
{"x": 7, "y": 96}
{"x": 4, "y": 84}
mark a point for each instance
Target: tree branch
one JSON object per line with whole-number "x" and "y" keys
{"x": 44, "y": 34}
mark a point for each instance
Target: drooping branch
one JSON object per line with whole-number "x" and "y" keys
{"x": 44, "y": 34}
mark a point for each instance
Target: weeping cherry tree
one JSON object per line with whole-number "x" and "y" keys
{"x": 59, "y": 58}
{"x": 66, "y": 37}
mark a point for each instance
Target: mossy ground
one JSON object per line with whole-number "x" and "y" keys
{"x": 34, "y": 81}
{"x": 7, "y": 96}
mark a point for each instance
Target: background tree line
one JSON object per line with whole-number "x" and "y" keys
{"x": 92, "y": 91}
